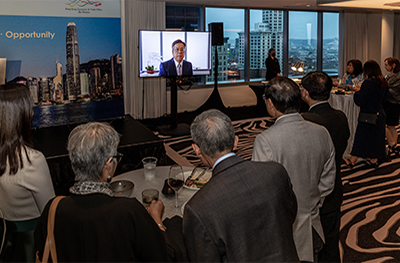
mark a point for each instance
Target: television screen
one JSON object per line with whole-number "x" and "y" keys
{"x": 157, "y": 53}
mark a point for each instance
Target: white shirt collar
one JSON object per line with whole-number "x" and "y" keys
{"x": 321, "y": 102}
{"x": 223, "y": 158}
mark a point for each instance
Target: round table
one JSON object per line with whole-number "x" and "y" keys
{"x": 137, "y": 177}
{"x": 345, "y": 103}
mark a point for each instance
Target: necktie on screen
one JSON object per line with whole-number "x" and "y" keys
{"x": 179, "y": 70}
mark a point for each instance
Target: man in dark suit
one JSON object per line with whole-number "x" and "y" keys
{"x": 246, "y": 211}
{"x": 272, "y": 65}
{"x": 177, "y": 66}
{"x": 316, "y": 89}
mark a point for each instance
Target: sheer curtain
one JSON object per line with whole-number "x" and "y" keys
{"x": 355, "y": 37}
{"x": 143, "y": 97}
{"x": 396, "y": 36}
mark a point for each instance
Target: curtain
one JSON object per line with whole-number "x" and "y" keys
{"x": 143, "y": 97}
{"x": 355, "y": 36}
{"x": 396, "y": 36}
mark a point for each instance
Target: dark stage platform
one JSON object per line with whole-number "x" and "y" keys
{"x": 137, "y": 142}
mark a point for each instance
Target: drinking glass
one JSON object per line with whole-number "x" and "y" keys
{"x": 149, "y": 195}
{"x": 175, "y": 180}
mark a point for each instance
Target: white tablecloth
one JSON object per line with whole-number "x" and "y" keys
{"x": 346, "y": 104}
{"x": 137, "y": 177}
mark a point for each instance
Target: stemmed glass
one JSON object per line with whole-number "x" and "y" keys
{"x": 175, "y": 180}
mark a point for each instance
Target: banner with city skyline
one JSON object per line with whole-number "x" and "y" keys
{"x": 70, "y": 61}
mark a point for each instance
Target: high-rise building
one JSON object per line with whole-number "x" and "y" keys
{"x": 222, "y": 62}
{"x": 58, "y": 84}
{"x": 73, "y": 67}
{"x": 267, "y": 34}
{"x": 116, "y": 72}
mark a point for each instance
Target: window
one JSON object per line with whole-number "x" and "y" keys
{"x": 233, "y": 24}
{"x": 269, "y": 34}
{"x": 330, "y": 43}
{"x": 302, "y": 43}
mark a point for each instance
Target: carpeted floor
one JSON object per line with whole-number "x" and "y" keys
{"x": 370, "y": 226}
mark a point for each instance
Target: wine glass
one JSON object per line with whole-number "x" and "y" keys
{"x": 175, "y": 180}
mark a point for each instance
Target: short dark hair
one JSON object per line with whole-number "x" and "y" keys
{"x": 178, "y": 41}
{"x": 318, "y": 84}
{"x": 393, "y": 60}
{"x": 213, "y": 132}
{"x": 270, "y": 50}
{"x": 357, "y": 65}
{"x": 284, "y": 94}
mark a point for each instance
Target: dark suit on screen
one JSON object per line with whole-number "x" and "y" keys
{"x": 168, "y": 68}
{"x": 336, "y": 123}
{"x": 244, "y": 213}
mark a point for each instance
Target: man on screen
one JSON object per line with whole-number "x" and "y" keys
{"x": 176, "y": 66}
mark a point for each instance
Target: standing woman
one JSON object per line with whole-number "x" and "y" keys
{"x": 392, "y": 105}
{"x": 369, "y": 140}
{"x": 25, "y": 182}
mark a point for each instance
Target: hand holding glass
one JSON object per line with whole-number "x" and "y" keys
{"x": 175, "y": 180}
{"x": 149, "y": 195}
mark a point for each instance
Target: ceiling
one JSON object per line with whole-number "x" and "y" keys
{"x": 335, "y": 5}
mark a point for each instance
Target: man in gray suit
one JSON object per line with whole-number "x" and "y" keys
{"x": 246, "y": 211}
{"x": 306, "y": 151}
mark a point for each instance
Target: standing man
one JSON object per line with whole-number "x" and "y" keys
{"x": 306, "y": 150}
{"x": 316, "y": 89}
{"x": 176, "y": 66}
{"x": 246, "y": 211}
{"x": 272, "y": 65}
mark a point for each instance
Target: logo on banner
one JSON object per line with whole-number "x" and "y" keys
{"x": 83, "y": 6}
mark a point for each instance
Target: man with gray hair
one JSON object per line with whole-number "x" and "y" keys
{"x": 246, "y": 211}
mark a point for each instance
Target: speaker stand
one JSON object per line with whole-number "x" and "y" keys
{"x": 175, "y": 128}
{"x": 214, "y": 101}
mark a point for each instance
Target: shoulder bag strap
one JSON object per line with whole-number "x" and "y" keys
{"x": 50, "y": 246}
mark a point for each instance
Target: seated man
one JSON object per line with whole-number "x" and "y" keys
{"x": 246, "y": 211}
{"x": 306, "y": 150}
{"x": 315, "y": 92}
{"x": 177, "y": 66}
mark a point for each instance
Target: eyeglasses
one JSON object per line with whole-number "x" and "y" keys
{"x": 179, "y": 49}
{"x": 118, "y": 157}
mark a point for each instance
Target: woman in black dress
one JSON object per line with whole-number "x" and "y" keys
{"x": 369, "y": 140}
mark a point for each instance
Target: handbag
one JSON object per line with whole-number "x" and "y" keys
{"x": 369, "y": 118}
{"x": 50, "y": 245}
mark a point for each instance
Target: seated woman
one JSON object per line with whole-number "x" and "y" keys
{"x": 92, "y": 224}
{"x": 354, "y": 71}
{"x": 369, "y": 139}
{"x": 25, "y": 182}
{"x": 392, "y": 105}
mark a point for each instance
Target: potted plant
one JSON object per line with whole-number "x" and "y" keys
{"x": 150, "y": 69}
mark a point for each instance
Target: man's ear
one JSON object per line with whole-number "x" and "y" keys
{"x": 197, "y": 149}
{"x": 304, "y": 94}
{"x": 235, "y": 144}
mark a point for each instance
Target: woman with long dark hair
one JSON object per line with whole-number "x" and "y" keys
{"x": 369, "y": 140}
{"x": 392, "y": 105}
{"x": 25, "y": 182}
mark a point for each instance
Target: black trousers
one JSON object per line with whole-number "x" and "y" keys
{"x": 331, "y": 226}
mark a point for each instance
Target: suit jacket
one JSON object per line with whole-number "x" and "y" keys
{"x": 168, "y": 68}
{"x": 306, "y": 151}
{"x": 336, "y": 123}
{"x": 244, "y": 213}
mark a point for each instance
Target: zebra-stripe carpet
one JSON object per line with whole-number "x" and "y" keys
{"x": 370, "y": 223}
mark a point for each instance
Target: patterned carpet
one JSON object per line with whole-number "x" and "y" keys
{"x": 370, "y": 226}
